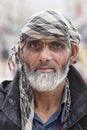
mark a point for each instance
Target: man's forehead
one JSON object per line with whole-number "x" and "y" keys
{"x": 49, "y": 40}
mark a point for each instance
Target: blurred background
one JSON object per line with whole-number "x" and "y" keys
{"x": 13, "y": 15}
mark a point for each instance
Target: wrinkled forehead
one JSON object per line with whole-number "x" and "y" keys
{"x": 50, "y": 24}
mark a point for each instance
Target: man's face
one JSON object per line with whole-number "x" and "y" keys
{"x": 47, "y": 63}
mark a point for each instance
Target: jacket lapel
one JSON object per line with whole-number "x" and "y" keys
{"x": 11, "y": 105}
{"x": 78, "y": 89}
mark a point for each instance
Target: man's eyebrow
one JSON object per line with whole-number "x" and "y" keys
{"x": 56, "y": 41}
{"x": 36, "y": 41}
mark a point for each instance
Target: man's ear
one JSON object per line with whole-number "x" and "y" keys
{"x": 74, "y": 53}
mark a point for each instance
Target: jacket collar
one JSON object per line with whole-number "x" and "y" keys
{"x": 78, "y": 90}
{"x": 79, "y": 110}
{"x": 11, "y": 105}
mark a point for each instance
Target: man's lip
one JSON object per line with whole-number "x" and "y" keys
{"x": 45, "y": 69}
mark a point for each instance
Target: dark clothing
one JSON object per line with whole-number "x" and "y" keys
{"x": 10, "y": 118}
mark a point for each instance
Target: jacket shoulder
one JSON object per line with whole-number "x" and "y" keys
{"x": 4, "y": 89}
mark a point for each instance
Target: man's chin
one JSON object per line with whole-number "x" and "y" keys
{"x": 44, "y": 90}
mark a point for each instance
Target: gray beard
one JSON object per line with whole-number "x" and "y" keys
{"x": 46, "y": 81}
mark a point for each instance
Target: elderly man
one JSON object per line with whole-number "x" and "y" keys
{"x": 47, "y": 92}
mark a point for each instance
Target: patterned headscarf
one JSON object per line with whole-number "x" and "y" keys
{"x": 43, "y": 25}
{"x": 50, "y": 24}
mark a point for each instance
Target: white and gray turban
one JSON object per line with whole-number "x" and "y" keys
{"x": 50, "y": 24}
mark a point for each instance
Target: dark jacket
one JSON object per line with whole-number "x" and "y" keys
{"x": 10, "y": 118}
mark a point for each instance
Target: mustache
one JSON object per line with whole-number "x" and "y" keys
{"x": 47, "y": 64}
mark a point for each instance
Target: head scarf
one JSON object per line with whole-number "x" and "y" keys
{"x": 43, "y": 25}
{"x": 50, "y": 24}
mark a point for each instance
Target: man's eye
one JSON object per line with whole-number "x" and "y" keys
{"x": 35, "y": 46}
{"x": 58, "y": 46}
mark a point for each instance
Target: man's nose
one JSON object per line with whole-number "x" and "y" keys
{"x": 45, "y": 55}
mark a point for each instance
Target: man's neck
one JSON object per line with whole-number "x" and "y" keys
{"x": 46, "y": 103}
